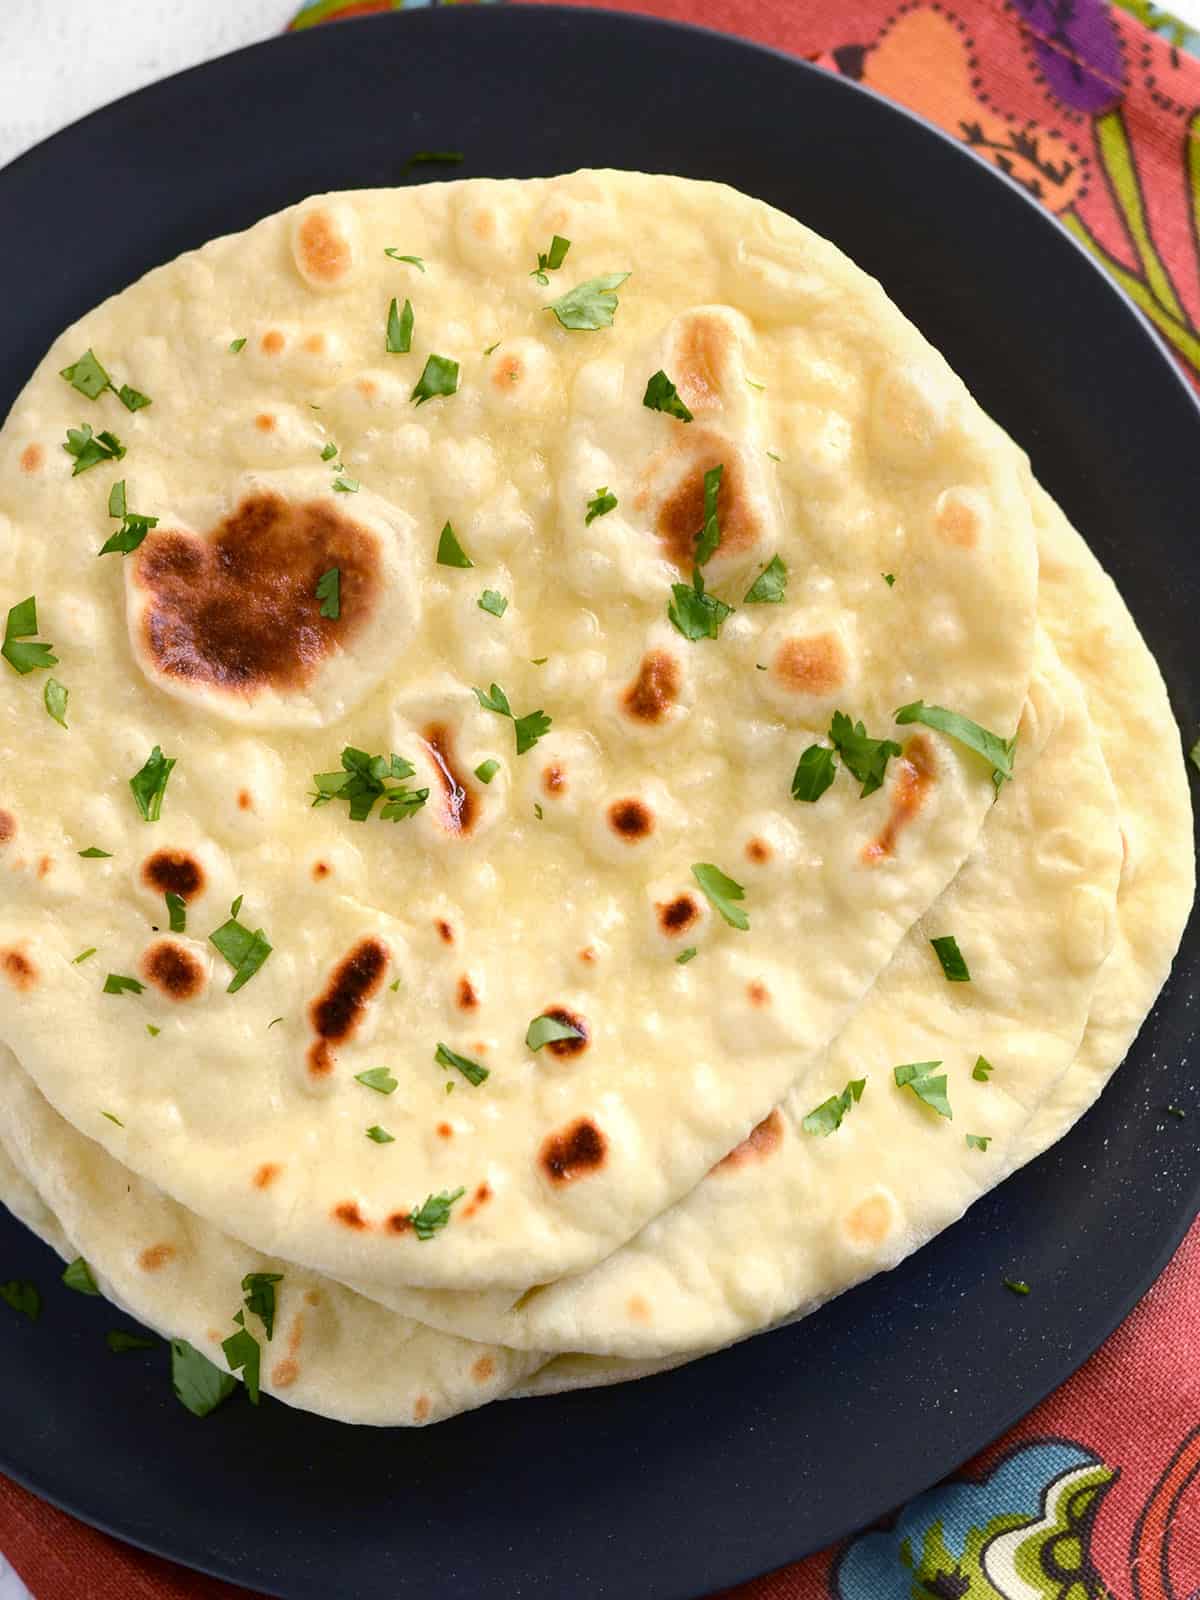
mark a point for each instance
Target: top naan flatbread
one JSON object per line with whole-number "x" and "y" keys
{"x": 564, "y": 884}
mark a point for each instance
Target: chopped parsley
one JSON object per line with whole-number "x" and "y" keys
{"x": 694, "y": 613}
{"x": 684, "y": 956}
{"x": 22, "y": 1296}
{"x": 329, "y": 451}
{"x": 378, "y": 1078}
{"x": 449, "y": 552}
{"x": 152, "y": 1030}
{"x": 108, "y": 1115}
{"x": 773, "y": 456}
{"x": 90, "y": 379}
{"x": 434, "y": 1214}
{"x": 120, "y": 1341}
{"x": 133, "y": 530}
{"x": 491, "y": 601}
{"x": 84, "y": 955}
{"x": 329, "y": 593}
{"x": 709, "y": 538}
{"x": 21, "y": 626}
{"x": 982, "y": 1070}
{"x": 440, "y": 157}
{"x": 439, "y": 378}
{"x": 547, "y": 1030}
{"x": 589, "y": 306}
{"x": 54, "y": 697}
{"x": 492, "y": 348}
{"x": 529, "y": 728}
{"x": 380, "y": 1135}
{"x": 244, "y": 951}
{"x": 345, "y": 484}
{"x": 1194, "y": 755}
{"x": 662, "y": 395}
{"x": 814, "y": 772}
{"x": 1017, "y": 1285}
{"x": 176, "y": 912}
{"x": 115, "y": 983}
{"x": 88, "y": 376}
{"x": 768, "y": 588}
{"x": 888, "y": 577}
{"x": 864, "y": 757}
{"x": 399, "y": 329}
{"x": 917, "y": 1076}
{"x": 487, "y": 770}
{"x": 150, "y": 784}
{"x": 89, "y": 451}
{"x": 472, "y": 1071}
{"x": 363, "y": 780}
{"x": 600, "y": 505}
{"x": 827, "y": 1117}
{"x": 551, "y": 260}
{"x": 259, "y": 1289}
{"x": 999, "y": 752}
{"x": 198, "y": 1384}
{"x": 78, "y": 1276}
{"x": 236, "y": 346}
{"x": 243, "y": 1353}
{"x": 1176, "y": 1111}
{"x": 951, "y": 957}
{"x": 722, "y": 892}
{"x": 537, "y": 810}
{"x": 978, "y": 1141}
{"x": 94, "y": 853}
{"x": 413, "y": 261}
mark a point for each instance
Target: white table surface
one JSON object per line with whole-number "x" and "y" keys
{"x": 60, "y": 59}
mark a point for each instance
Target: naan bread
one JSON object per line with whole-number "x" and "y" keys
{"x": 564, "y": 884}
{"x": 790, "y": 1218}
{"x": 332, "y": 1351}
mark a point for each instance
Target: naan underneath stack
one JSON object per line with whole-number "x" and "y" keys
{"x": 582, "y": 809}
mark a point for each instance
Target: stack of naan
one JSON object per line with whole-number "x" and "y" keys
{"x": 564, "y": 795}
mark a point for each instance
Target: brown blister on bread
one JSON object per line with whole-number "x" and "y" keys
{"x": 575, "y": 1152}
{"x": 173, "y": 970}
{"x": 762, "y": 1141}
{"x": 173, "y": 872}
{"x": 656, "y": 688}
{"x": 915, "y": 774}
{"x": 459, "y": 807}
{"x": 236, "y": 610}
{"x": 337, "y": 1013}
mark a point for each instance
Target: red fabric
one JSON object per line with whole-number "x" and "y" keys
{"x": 1099, "y": 118}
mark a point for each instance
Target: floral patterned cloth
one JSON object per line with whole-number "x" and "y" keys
{"x": 1096, "y": 1494}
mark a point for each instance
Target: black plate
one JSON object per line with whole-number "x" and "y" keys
{"x": 676, "y": 1486}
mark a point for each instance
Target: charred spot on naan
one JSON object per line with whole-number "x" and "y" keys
{"x": 459, "y": 805}
{"x": 554, "y": 778}
{"x": 8, "y": 827}
{"x": 702, "y": 358}
{"x": 631, "y": 820}
{"x": 576, "y": 1151}
{"x": 759, "y": 851}
{"x": 672, "y": 489}
{"x": 569, "y": 1019}
{"x": 236, "y": 611}
{"x": 173, "y": 970}
{"x": 480, "y": 1198}
{"x": 651, "y": 695}
{"x": 173, "y": 872}
{"x": 17, "y": 967}
{"x": 677, "y": 915}
{"x": 869, "y": 1224}
{"x": 815, "y": 665}
{"x": 32, "y": 458}
{"x": 347, "y": 1212}
{"x": 265, "y": 1175}
{"x": 912, "y": 778}
{"x": 465, "y": 996}
{"x": 156, "y": 1256}
{"x": 325, "y": 245}
{"x": 337, "y": 1013}
{"x": 483, "y": 1369}
{"x": 761, "y": 1142}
